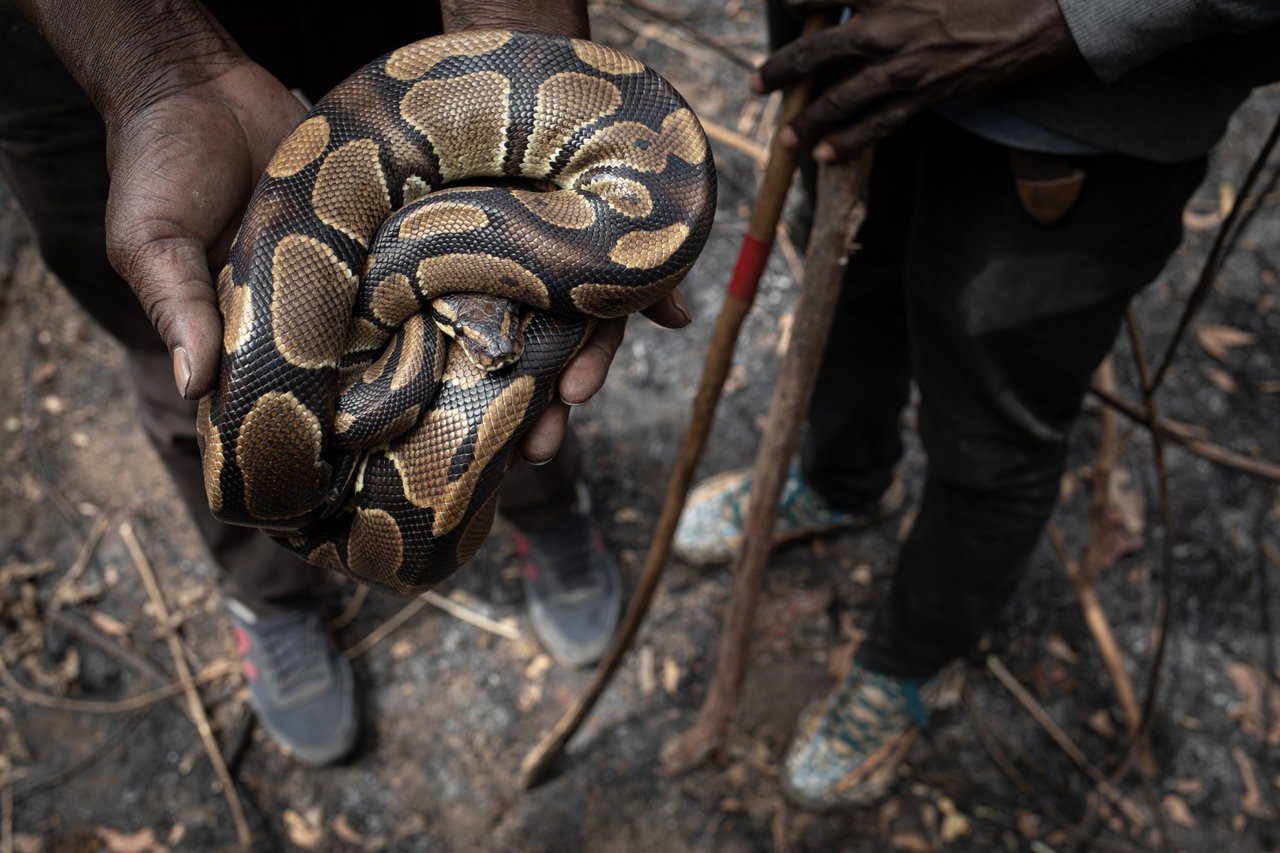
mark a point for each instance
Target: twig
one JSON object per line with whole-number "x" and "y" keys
{"x": 1041, "y": 716}
{"x": 82, "y": 629}
{"x": 1184, "y": 435}
{"x": 989, "y": 738}
{"x": 742, "y": 144}
{"x": 693, "y": 32}
{"x": 213, "y": 672}
{"x": 404, "y": 614}
{"x": 109, "y": 744}
{"x": 6, "y": 822}
{"x": 1242, "y": 211}
{"x": 349, "y": 613}
{"x": 243, "y": 835}
{"x": 87, "y": 549}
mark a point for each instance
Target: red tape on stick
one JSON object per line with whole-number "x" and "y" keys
{"x": 752, "y": 257}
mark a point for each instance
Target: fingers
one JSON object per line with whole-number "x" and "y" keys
{"x": 170, "y": 276}
{"x": 804, "y": 57}
{"x": 671, "y": 312}
{"x": 848, "y": 143}
{"x": 541, "y": 443}
{"x": 585, "y": 372}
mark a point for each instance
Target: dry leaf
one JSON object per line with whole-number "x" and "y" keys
{"x": 306, "y": 832}
{"x": 1059, "y": 648}
{"x": 912, "y": 841}
{"x": 670, "y": 677}
{"x": 401, "y": 649}
{"x": 1221, "y": 380}
{"x": 177, "y": 832}
{"x": 1252, "y": 684}
{"x": 26, "y": 842}
{"x": 529, "y": 697}
{"x": 1218, "y": 340}
{"x": 861, "y": 575}
{"x": 785, "y": 323}
{"x": 954, "y": 823}
{"x": 342, "y": 828}
{"x": 1028, "y": 824}
{"x": 1251, "y": 803}
{"x": 1188, "y": 787}
{"x": 648, "y": 671}
{"x": 109, "y": 625}
{"x": 1100, "y": 721}
{"x": 1200, "y": 222}
{"x": 142, "y": 841}
{"x": 1226, "y": 198}
{"x": 537, "y": 668}
{"x": 1175, "y": 808}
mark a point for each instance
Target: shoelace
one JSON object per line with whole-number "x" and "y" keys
{"x": 293, "y": 649}
{"x": 855, "y": 718}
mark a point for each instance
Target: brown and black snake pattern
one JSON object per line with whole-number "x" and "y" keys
{"x": 343, "y": 423}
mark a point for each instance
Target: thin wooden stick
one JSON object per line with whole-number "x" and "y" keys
{"x": 430, "y": 597}
{"x": 742, "y": 144}
{"x": 349, "y": 613}
{"x": 219, "y": 669}
{"x": 196, "y": 706}
{"x": 1096, "y": 620}
{"x": 840, "y": 211}
{"x": 87, "y": 549}
{"x": 750, "y": 264}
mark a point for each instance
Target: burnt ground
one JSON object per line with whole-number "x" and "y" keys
{"x": 451, "y": 709}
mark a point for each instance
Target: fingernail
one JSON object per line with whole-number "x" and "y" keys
{"x": 757, "y": 83}
{"x": 789, "y": 138}
{"x": 181, "y": 370}
{"x": 824, "y": 153}
{"x": 540, "y": 463}
{"x": 677, "y": 300}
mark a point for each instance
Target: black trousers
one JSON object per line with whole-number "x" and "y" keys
{"x": 53, "y": 159}
{"x": 1000, "y": 321}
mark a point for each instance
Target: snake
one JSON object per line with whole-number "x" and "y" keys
{"x": 421, "y": 257}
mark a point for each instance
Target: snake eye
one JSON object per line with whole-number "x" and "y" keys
{"x": 457, "y": 327}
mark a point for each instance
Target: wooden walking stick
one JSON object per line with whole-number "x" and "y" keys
{"x": 752, "y": 257}
{"x": 840, "y": 211}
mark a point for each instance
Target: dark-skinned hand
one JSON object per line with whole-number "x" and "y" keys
{"x": 895, "y": 58}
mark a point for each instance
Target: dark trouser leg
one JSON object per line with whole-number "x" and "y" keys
{"x": 52, "y": 157}
{"x": 852, "y": 441}
{"x": 1008, "y": 321}
{"x": 534, "y": 496}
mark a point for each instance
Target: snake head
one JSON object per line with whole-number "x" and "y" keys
{"x": 489, "y": 329}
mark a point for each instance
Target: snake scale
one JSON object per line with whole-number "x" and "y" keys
{"x": 418, "y": 200}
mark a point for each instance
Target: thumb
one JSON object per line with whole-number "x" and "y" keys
{"x": 169, "y": 273}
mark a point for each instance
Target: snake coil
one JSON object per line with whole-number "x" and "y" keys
{"x": 434, "y": 184}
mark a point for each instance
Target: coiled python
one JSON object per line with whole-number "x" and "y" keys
{"x": 417, "y": 199}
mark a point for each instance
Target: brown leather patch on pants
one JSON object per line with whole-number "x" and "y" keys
{"x": 1048, "y": 185}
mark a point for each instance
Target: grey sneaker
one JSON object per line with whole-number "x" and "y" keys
{"x": 301, "y": 687}
{"x": 571, "y": 587}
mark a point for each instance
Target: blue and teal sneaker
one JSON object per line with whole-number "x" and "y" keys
{"x": 850, "y": 743}
{"x": 710, "y": 528}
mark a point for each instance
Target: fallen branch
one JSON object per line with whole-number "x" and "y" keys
{"x": 219, "y": 669}
{"x": 1187, "y": 437}
{"x": 404, "y": 614}
{"x": 143, "y": 565}
{"x": 758, "y": 153}
{"x": 83, "y": 558}
{"x": 840, "y": 211}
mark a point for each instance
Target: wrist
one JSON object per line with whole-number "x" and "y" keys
{"x": 128, "y": 54}
{"x": 554, "y": 17}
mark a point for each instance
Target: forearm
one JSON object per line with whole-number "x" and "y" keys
{"x": 1116, "y": 36}
{"x": 560, "y": 17}
{"x": 128, "y": 53}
